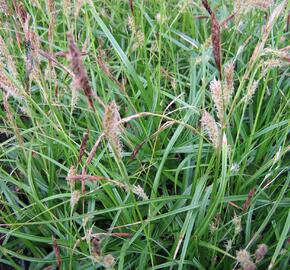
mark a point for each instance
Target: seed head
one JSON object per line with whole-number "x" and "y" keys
{"x": 251, "y": 91}
{"x": 139, "y": 191}
{"x": 131, "y": 24}
{"x": 8, "y": 57}
{"x": 235, "y": 167}
{"x": 229, "y": 80}
{"x": 70, "y": 177}
{"x": 216, "y": 43}
{"x": 210, "y": 126}
{"x": 217, "y": 96}
{"x": 238, "y": 224}
{"x": 243, "y": 256}
{"x": 212, "y": 227}
{"x": 108, "y": 260}
{"x": 229, "y": 245}
{"x": 74, "y": 198}
{"x": 260, "y": 252}
{"x": 81, "y": 80}
{"x": 7, "y": 85}
{"x": 111, "y": 127}
{"x": 139, "y": 40}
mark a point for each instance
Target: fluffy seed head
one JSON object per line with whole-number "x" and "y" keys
{"x": 243, "y": 256}
{"x": 210, "y": 126}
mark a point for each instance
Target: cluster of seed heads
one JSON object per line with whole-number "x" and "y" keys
{"x": 245, "y": 260}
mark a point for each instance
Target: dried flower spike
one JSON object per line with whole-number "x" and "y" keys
{"x": 210, "y": 126}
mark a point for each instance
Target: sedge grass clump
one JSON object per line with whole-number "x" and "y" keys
{"x": 195, "y": 150}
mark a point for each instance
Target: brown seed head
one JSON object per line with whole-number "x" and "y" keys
{"x": 216, "y": 43}
{"x": 81, "y": 79}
